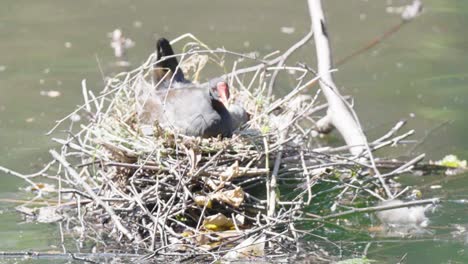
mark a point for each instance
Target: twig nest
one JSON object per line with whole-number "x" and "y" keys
{"x": 156, "y": 191}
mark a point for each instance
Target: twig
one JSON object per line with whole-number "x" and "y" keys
{"x": 284, "y": 57}
{"x": 90, "y": 191}
{"x": 338, "y": 113}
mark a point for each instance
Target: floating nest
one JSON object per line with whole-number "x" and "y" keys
{"x": 165, "y": 194}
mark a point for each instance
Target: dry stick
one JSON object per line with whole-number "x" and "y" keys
{"x": 284, "y": 57}
{"x": 402, "y": 192}
{"x": 307, "y": 174}
{"x": 273, "y": 181}
{"x": 27, "y": 176}
{"x": 49, "y": 256}
{"x": 295, "y": 118}
{"x": 19, "y": 175}
{"x": 410, "y": 163}
{"x": 394, "y": 141}
{"x": 63, "y": 150}
{"x": 191, "y": 36}
{"x": 293, "y": 93}
{"x": 84, "y": 90}
{"x": 404, "y": 168}
{"x": 410, "y": 13}
{"x": 381, "y": 208}
{"x": 267, "y": 166}
{"x": 208, "y": 163}
{"x": 136, "y": 166}
{"x": 90, "y": 191}
{"x": 392, "y": 131}
{"x": 338, "y": 114}
{"x": 273, "y": 185}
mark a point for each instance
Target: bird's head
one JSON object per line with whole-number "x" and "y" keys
{"x": 220, "y": 92}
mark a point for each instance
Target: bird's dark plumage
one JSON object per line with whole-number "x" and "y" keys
{"x": 169, "y": 67}
{"x": 189, "y": 109}
{"x": 193, "y": 111}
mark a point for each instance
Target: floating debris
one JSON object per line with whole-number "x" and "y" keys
{"x": 288, "y": 30}
{"x": 455, "y": 165}
{"x": 48, "y": 215}
{"x": 43, "y": 187}
{"x": 51, "y": 93}
{"x": 407, "y": 12}
{"x": 137, "y": 24}
{"x": 403, "y": 221}
{"x": 451, "y": 161}
{"x": 75, "y": 118}
{"x": 120, "y": 43}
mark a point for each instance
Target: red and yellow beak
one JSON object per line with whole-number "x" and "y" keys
{"x": 223, "y": 92}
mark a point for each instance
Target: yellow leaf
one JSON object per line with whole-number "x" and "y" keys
{"x": 202, "y": 200}
{"x": 218, "y": 222}
{"x": 232, "y": 197}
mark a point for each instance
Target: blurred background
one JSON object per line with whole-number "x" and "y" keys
{"x": 47, "y": 47}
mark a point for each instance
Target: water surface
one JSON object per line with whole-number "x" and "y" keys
{"x": 418, "y": 74}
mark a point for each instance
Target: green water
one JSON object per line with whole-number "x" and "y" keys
{"x": 420, "y": 71}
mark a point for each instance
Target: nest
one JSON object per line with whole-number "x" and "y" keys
{"x": 171, "y": 195}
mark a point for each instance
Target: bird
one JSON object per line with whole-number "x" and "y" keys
{"x": 195, "y": 111}
{"x": 187, "y": 108}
